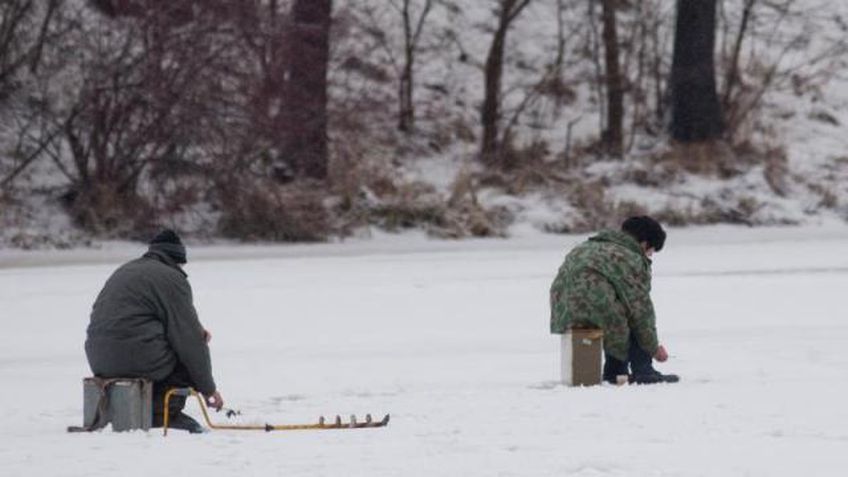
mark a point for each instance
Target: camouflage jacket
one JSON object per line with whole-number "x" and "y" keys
{"x": 605, "y": 282}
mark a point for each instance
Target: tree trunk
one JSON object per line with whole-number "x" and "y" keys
{"x": 406, "y": 90}
{"x": 696, "y": 112}
{"x": 612, "y": 135}
{"x": 407, "y": 107}
{"x": 732, "y": 77}
{"x": 491, "y": 112}
{"x": 306, "y": 92}
{"x": 491, "y": 103}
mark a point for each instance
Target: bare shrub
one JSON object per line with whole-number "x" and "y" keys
{"x": 395, "y": 205}
{"x": 626, "y": 208}
{"x": 528, "y": 170}
{"x": 360, "y": 179}
{"x": 654, "y": 173}
{"x": 443, "y": 135}
{"x": 554, "y": 87}
{"x": 471, "y": 219}
{"x": 597, "y": 211}
{"x": 412, "y": 205}
{"x": 674, "y": 217}
{"x": 776, "y": 171}
{"x": 265, "y": 210}
{"x": 405, "y": 214}
{"x": 714, "y": 158}
{"x": 827, "y": 198}
{"x": 108, "y": 211}
{"x": 711, "y": 212}
{"x": 467, "y": 216}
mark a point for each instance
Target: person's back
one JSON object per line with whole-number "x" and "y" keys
{"x": 128, "y": 332}
{"x": 584, "y": 292}
{"x": 144, "y": 324}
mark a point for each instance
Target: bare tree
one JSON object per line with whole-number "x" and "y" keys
{"x": 594, "y": 51}
{"x": 696, "y": 111}
{"x": 507, "y": 12}
{"x": 613, "y": 136}
{"x": 659, "y": 70}
{"x": 732, "y": 74}
{"x": 412, "y": 29}
{"x": 306, "y": 90}
{"x": 24, "y": 28}
{"x": 149, "y": 93}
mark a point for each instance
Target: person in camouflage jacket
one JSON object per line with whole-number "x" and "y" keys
{"x": 605, "y": 283}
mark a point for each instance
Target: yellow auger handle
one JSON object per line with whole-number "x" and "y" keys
{"x": 204, "y": 410}
{"x": 266, "y": 427}
{"x": 167, "y": 410}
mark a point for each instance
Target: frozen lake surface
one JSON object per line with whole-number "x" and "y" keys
{"x": 452, "y": 339}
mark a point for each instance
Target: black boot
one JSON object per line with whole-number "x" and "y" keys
{"x": 613, "y": 368}
{"x": 186, "y": 423}
{"x": 642, "y": 366}
{"x": 178, "y": 420}
{"x": 654, "y": 377}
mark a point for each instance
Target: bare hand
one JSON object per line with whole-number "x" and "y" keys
{"x": 661, "y": 355}
{"x": 215, "y": 401}
{"x": 207, "y": 336}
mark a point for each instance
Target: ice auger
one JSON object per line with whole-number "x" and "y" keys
{"x": 322, "y": 424}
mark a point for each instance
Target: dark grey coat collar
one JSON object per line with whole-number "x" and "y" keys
{"x": 164, "y": 258}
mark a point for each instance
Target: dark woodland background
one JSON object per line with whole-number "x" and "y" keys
{"x": 298, "y": 120}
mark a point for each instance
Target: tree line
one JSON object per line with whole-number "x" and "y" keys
{"x": 138, "y": 107}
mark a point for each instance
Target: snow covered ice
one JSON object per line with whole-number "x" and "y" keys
{"x": 452, "y": 339}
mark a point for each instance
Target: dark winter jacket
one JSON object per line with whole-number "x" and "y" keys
{"x": 144, "y": 322}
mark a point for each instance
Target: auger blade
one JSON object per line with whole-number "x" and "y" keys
{"x": 353, "y": 423}
{"x": 369, "y": 422}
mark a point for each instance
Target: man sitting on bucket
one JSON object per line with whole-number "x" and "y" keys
{"x": 605, "y": 283}
{"x": 144, "y": 325}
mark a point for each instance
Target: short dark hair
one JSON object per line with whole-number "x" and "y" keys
{"x": 645, "y": 229}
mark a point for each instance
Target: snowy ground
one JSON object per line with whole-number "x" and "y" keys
{"x": 451, "y": 339}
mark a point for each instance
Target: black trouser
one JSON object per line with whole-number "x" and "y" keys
{"x": 179, "y": 378}
{"x": 639, "y": 361}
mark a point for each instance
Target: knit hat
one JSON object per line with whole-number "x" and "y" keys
{"x": 645, "y": 229}
{"x": 169, "y": 243}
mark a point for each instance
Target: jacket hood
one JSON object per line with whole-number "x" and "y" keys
{"x": 623, "y": 239}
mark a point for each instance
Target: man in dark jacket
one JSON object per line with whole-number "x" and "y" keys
{"x": 143, "y": 324}
{"x": 605, "y": 283}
